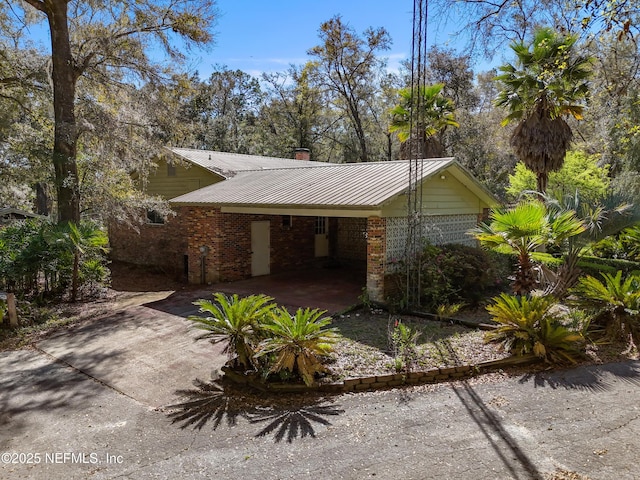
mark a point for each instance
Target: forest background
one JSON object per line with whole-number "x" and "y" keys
{"x": 134, "y": 91}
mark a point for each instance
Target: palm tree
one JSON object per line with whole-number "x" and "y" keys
{"x": 532, "y": 325}
{"x": 79, "y": 240}
{"x": 548, "y": 82}
{"x": 435, "y": 113}
{"x": 522, "y": 231}
{"x": 614, "y": 300}
{"x": 608, "y": 217}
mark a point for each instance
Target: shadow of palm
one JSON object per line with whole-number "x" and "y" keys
{"x": 215, "y": 403}
{"x": 594, "y": 378}
{"x": 207, "y": 402}
{"x": 293, "y": 422}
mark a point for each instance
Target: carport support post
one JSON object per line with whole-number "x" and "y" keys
{"x": 11, "y": 309}
{"x": 376, "y": 257}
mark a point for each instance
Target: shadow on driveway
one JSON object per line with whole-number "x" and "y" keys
{"x": 32, "y": 383}
{"x": 591, "y": 378}
{"x": 288, "y": 416}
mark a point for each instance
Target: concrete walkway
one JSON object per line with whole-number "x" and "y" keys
{"x": 93, "y": 402}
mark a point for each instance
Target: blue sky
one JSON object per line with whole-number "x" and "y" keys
{"x": 268, "y": 35}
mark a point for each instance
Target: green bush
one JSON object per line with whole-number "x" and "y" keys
{"x": 403, "y": 340}
{"x": 38, "y": 257}
{"x": 453, "y": 273}
{"x": 532, "y": 325}
{"x": 262, "y": 337}
{"x": 295, "y": 344}
{"x": 595, "y": 266}
{"x": 625, "y": 245}
{"x": 236, "y": 321}
{"x": 614, "y": 302}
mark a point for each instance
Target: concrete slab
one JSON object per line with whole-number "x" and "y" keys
{"x": 333, "y": 290}
{"x": 141, "y": 348}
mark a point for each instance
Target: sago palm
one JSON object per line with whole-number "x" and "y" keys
{"x": 548, "y": 82}
{"x": 298, "y": 342}
{"x": 236, "y": 321}
{"x": 523, "y": 230}
{"x": 615, "y": 301}
{"x": 433, "y": 114}
{"x": 528, "y": 325}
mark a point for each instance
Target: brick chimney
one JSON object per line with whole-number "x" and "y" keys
{"x": 302, "y": 154}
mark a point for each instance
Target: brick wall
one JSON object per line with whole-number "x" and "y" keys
{"x": 161, "y": 245}
{"x": 351, "y": 239}
{"x": 202, "y": 229}
{"x": 376, "y": 253}
{"x": 228, "y": 238}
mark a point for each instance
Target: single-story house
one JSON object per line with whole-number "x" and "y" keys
{"x": 239, "y": 216}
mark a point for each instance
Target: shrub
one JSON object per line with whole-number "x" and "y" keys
{"x": 296, "y": 343}
{"x": 452, "y": 273}
{"x": 236, "y": 321}
{"x": 625, "y": 245}
{"x": 614, "y": 302}
{"x": 532, "y": 325}
{"x": 39, "y": 257}
{"x": 403, "y": 341}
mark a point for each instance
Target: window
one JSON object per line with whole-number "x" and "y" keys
{"x": 154, "y": 217}
{"x": 321, "y": 225}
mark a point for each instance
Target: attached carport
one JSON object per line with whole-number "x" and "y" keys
{"x": 270, "y": 221}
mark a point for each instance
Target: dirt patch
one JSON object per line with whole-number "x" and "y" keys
{"x": 367, "y": 347}
{"x": 126, "y": 277}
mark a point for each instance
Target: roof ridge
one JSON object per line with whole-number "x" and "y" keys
{"x": 350, "y": 164}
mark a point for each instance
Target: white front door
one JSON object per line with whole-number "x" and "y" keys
{"x": 322, "y": 237}
{"x": 260, "y": 248}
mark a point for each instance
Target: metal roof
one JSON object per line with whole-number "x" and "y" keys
{"x": 351, "y": 185}
{"x": 228, "y": 164}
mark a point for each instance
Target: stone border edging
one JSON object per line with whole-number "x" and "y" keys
{"x": 379, "y": 382}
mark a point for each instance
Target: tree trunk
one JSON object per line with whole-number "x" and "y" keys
{"x": 362, "y": 138}
{"x": 542, "y": 182}
{"x": 42, "y": 199}
{"x": 75, "y": 276}
{"x": 64, "y": 78}
{"x": 525, "y": 280}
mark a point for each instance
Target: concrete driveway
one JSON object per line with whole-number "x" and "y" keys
{"x": 93, "y": 402}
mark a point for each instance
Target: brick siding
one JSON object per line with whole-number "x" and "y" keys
{"x": 228, "y": 238}
{"x": 351, "y": 240}
{"x": 376, "y": 253}
{"x": 160, "y": 245}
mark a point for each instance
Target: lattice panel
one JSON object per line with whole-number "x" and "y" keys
{"x": 438, "y": 229}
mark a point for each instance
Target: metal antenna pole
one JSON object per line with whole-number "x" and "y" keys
{"x": 416, "y": 127}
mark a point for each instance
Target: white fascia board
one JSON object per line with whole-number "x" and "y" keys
{"x": 303, "y": 212}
